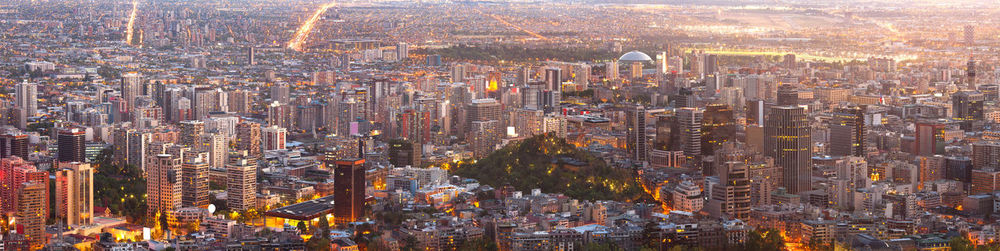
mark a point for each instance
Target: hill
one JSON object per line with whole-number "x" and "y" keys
{"x": 555, "y": 166}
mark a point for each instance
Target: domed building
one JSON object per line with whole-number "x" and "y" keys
{"x": 635, "y": 56}
{"x": 635, "y": 60}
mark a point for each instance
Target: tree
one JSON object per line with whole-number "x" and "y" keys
{"x": 650, "y": 236}
{"x": 766, "y": 239}
{"x": 301, "y": 226}
{"x": 478, "y": 244}
{"x": 323, "y": 226}
{"x": 317, "y": 243}
{"x": 163, "y": 222}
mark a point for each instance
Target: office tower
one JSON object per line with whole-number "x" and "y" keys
{"x": 483, "y": 110}
{"x": 434, "y": 60}
{"x": 251, "y": 56}
{"x": 190, "y": 132}
{"x": 718, "y": 127}
{"x": 553, "y": 79}
{"x": 710, "y": 64}
{"x": 163, "y": 184}
{"x": 967, "y": 105}
{"x": 458, "y": 73}
{"x": 131, "y": 88}
{"x": 404, "y": 153}
{"x": 731, "y": 197}
{"x": 273, "y": 138}
{"x": 194, "y": 182}
{"x": 929, "y": 138}
{"x": 847, "y": 132}
{"x": 248, "y": 138}
{"x": 27, "y": 98}
{"x": 789, "y": 61}
{"x": 31, "y": 212}
{"x": 241, "y": 185}
{"x": 684, "y": 98}
{"x": 349, "y": 189}
{"x": 581, "y": 76}
{"x": 75, "y": 193}
{"x": 203, "y": 101}
{"x": 788, "y": 95}
{"x": 755, "y": 112}
{"x": 17, "y": 171}
{"x": 635, "y": 134}
{"x": 71, "y": 145}
{"x": 787, "y": 139}
{"x": 14, "y": 144}
{"x": 986, "y": 154}
{"x": 689, "y": 122}
{"x": 281, "y": 93}
{"x": 217, "y": 146}
{"x": 984, "y": 181}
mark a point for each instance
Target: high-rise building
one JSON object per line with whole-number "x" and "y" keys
{"x": 787, "y": 139}
{"x": 967, "y": 105}
{"x": 929, "y": 138}
{"x": 273, "y": 138}
{"x": 18, "y": 171}
{"x": 969, "y": 33}
{"x": 239, "y": 101}
{"x": 14, "y": 144}
{"x": 847, "y": 132}
{"x": 251, "y": 56}
{"x": 635, "y": 134}
{"x": 985, "y": 181}
{"x": 75, "y": 193}
{"x": 484, "y": 136}
{"x": 163, "y": 184}
{"x": 31, "y": 212}
{"x": 788, "y": 95}
{"x": 194, "y": 182}
{"x": 349, "y": 189}
{"x": 241, "y": 185}
{"x": 248, "y": 138}
{"x": 131, "y": 88}
{"x": 281, "y": 93}
{"x": 404, "y": 153}
{"x": 718, "y": 126}
{"x": 689, "y": 122}
{"x": 217, "y": 146}
{"x": 27, "y": 99}
{"x": 190, "y": 132}
{"x": 986, "y": 154}
{"x": 731, "y": 196}
{"x": 71, "y": 145}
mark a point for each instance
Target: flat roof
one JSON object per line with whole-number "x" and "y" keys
{"x": 305, "y": 210}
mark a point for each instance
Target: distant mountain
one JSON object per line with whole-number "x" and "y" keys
{"x": 549, "y": 163}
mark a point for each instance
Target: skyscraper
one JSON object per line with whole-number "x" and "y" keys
{"x": 280, "y": 93}
{"x": 163, "y": 184}
{"x": 349, "y": 189}
{"x": 248, "y": 138}
{"x": 635, "y": 134}
{"x": 75, "y": 193}
{"x": 787, "y": 139}
{"x": 929, "y": 138}
{"x": 131, "y": 88}
{"x": 788, "y": 95}
{"x": 194, "y": 182}
{"x": 27, "y": 98}
{"x": 71, "y": 145}
{"x": 31, "y": 212}
{"x": 847, "y": 132}
{"x": 241, "y": 185}
{"x": 18, "y": 171}
{"x": 718, "y": 126}
{"x": 190, "y": 132}
{"x": 14, "y": 144}
{"x": 967, "y": 105}
{"x": 689, "y": 121}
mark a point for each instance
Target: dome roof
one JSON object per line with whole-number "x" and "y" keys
{"x": 635, "y": 56}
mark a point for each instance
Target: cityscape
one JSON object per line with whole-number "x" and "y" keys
{"x": 507, "y": 125}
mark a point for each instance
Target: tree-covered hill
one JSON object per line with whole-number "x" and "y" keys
{"x": 555, "y": 166}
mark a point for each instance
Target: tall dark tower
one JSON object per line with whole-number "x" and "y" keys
{"x": 847, "y": 131}
{"x": 970, "y": 73}
{"x": 635, "y": 144}
{"x": 787, "y": 139}
{"x": 349, "y": 190}
{"x": 718, "y": 126}
{"x": 71, "y": 145}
